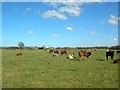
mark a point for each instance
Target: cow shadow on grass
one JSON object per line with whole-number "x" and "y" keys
{"x": 100, "y": 59}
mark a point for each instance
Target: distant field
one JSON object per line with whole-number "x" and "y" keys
{"x": 39, "y": 69}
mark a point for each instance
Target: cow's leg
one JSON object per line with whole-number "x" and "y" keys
{"x": 82, "y": 58}
{"x": 111, "y": 57}
{"x": 107, "y": 58}
{"x": 66, "y": 53}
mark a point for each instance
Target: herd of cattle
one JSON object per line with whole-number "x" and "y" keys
{"x": 64, "y": 51}
{"x": 81, "y": 53}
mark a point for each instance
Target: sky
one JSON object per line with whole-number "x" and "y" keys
{"x": 60, "y": 24}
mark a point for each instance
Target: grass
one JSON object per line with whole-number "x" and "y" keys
{"x": 39, "y": 69}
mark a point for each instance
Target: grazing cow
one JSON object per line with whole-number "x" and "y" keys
{"x": 85, "y": 54}
{"x": 19, "y": 54}
{"x": 51, "y": 51}
{"x": 110, "y": 53}
{"x": 116, "y": 61}
{"x": 54, "y": 51}
{"x": 63, "y": 52}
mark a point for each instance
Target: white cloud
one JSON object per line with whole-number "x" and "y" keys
{"x": 69, "y": 28}
{"x": 63, "y": 8}
{"x": 24, "y": 13}
{"x": 28, "y": 9}
{"x": 92, "y": 33}
{"x": 71, "y": 10}
{"x": 94, "y": 0}
{"x": 72, "y": 24}
{"x": 53, "y": 13}
{"x": 65, "y": 1}
{"x": 2, "y": 0}
{"x": 30, "y": 32}
{"x": 115, "y": 39}
{"x": 113, "y": 20}
{"x": 55, "y": 35}
{"x": 61, "y": 0}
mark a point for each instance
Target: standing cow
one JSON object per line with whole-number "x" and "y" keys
{"x": 109, "y": 53}
{"x": 63, "y": 52}
{"x": 54, "y": 52}
{"x": 84, "y": 53}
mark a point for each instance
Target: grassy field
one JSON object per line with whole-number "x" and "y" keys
{"x": 39, "y": 69}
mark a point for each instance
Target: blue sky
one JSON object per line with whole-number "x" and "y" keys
{"x": 60, "y": 24}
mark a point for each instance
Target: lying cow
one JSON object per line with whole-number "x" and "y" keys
{"x": 71, "y": 56}
{"x": 110, "y": 53}
{"x": 84, "y": 53}
{"x": 116, "y": 61}
{"x": 19, "y": 54}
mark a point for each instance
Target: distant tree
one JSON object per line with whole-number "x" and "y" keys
{"x": 21, "y": 45}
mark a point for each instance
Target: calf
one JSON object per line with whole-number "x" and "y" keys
{"x": 110, "y": 53}
{"x": 19, "y": 54}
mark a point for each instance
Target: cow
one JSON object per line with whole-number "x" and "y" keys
{"x": 71, "y": 56}
{"x": 118, "y": 52}
{"x": 19, "y": 54}
{"x": 54, "y": 52}
{"x": 116, "y": 61}
{"x": 84, "y": 53}
{"x": 51, "y": 51}
{"x": 63, "y": 52}
{"x": 109, "y": 53}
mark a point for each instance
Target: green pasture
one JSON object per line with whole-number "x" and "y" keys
{"x": 39, "y": 69}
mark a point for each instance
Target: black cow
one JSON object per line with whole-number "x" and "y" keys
{"x": 118, "y": 52}
{"x": 110, "y": 53}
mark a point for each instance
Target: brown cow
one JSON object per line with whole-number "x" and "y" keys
{"x": 84, "y": 53}
{"x": 54, "y": 51}
{"x": 51, "y": 51}
{"x": 63, "y": 52}
{"x": 19, "y": 54}
{"x": 116, "y": 61}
